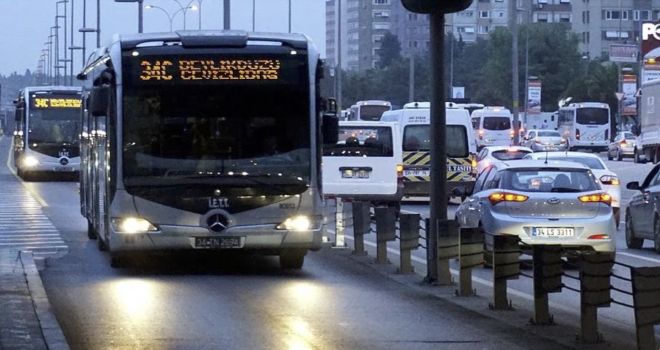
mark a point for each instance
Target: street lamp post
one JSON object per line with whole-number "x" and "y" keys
{"x": 185, "y": 9}
{"x": 171, "y": 18}
{"x": 64, "y": 17}
{"x": 199, "y": 13}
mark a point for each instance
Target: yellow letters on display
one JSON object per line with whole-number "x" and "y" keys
{"x": 255, "y": 69}
{"x": 57, "y": 103}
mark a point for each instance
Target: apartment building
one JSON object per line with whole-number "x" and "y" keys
{"x": 364, "y": 23}
{"x": 598, "y": 23}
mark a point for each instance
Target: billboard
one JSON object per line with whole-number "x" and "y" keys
{"x": 629, "y": 101}
{"x": 623, "y": 53}
{"x": 534, "y": 97}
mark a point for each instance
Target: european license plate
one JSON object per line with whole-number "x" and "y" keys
{"x": 62, "y": 168}
{"x": 416, "y": 173}
{"x": 217, "y": 242}
{"x": 359, "y": 174}
{"x": 553, "y": 232}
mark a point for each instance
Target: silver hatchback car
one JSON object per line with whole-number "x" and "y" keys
{"x": 543, "y": 202}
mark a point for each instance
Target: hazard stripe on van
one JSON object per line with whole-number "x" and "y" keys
{"x": 458, "y": 169}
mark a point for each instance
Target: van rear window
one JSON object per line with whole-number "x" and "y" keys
{"x": 362, "y": 142}
{"x": 418, "y": 138}
{"x": 497, "y": 123}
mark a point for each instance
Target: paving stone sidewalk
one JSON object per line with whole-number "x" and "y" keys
{"x": 26, "y": 319}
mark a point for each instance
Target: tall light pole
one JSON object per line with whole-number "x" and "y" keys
{"x": 185, "y": 9}
{"x": 254, "y": 14}
{"x": 513, "y": 24}
{"x": 98, "y": 23}
{"x": 199, "y": 14}
{"x": 289, "y": 16}
{"x": 64, "y": 17}
{"x": 226, "y": 12}
{"x": 171, "y": 17}
{"x": 72, "y": 47}
{"x": 84, "y": 30}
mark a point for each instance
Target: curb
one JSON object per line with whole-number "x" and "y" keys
{"x": 50, "y": 328}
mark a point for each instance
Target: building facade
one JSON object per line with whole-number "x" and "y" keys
{"x": 598, "y": 23}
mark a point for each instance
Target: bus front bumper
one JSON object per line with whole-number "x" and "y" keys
{"x": 261, "y": 237}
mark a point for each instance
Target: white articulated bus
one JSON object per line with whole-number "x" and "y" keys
{"x": 370, "y": 110}
{"x": 47, "y": 132}
{"x": 205, "y": 140}
{"x": 585, "y": 125}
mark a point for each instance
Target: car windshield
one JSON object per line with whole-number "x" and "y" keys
{"x": 592, "y": 163}
{"x": 549, "y": 134}
{"x": 497, "y": 123}
{"x": 510, "y": 154}
{"x": 549, "y": 180}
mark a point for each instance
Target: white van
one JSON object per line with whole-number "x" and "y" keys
{"x": 493, "y": 126}
{"x": 365, "y": 164}
{"x": 415, "y": 123}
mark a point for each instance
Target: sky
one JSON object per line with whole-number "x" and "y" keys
{"x": 26, "y": 24}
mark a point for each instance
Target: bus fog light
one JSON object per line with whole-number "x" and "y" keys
{"x": 132, "y": 225}
{"x": 296, "y": 223}
{"x": 30, "y": 161}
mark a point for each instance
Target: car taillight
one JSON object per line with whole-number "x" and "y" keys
{"x": 601, "y": 197}
{"x": 481, "y": 133}
{"x": 609, "y": 180}
{"x": 511, "y": 133}
{"x": 498, "y": 197}
{"x": 577, "y": 134}
{"x": 623, "y": 143}
{"x": 563, "y": 141}
{"x": 399, "y": 173}
{"x": 474, "y": 168}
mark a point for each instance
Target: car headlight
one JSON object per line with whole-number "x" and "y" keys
{"x": 296, "y": 223}
{"x": 30, "y": 161}
{"x": 132, "y": 225}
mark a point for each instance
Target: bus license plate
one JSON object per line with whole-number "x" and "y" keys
{"x": 61, "y": 168}
{"x": 217, "y": 242}
{"x": 553, "y": 232}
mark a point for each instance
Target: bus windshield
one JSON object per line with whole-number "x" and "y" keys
{"x": 54, "y": 120}
{"x": 592, "y": 116}
{"x": 176, "y": 131}
{"x": 369, "y": 112}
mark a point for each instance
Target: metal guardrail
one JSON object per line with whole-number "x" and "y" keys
{"x": 473, "y": 248}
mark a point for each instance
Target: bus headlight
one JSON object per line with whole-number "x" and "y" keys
{"x": 132, "y": 225}
{"x": 296, "y": 223}
{"x": 30, "y": 161}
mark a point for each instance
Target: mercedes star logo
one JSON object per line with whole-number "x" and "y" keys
{"x": 64, "y": 161}
{"x": 217, "y": 223}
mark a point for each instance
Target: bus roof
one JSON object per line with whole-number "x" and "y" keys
{"x": 60, "y": 89}
{"x": 212, "y": 38}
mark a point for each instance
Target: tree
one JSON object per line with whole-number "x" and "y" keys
{"x": 390, "y": 50}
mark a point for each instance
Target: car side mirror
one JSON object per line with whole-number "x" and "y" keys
{"x": 634, "y": 185}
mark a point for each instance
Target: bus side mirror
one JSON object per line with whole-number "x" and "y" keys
{"x": 98, "y": 100}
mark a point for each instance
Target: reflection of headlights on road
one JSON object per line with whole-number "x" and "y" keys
{"x": 30, "y": 161}
{"x": 132, "y": 225}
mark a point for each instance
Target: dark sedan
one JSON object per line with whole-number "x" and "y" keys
{"x": 643, "y": 215}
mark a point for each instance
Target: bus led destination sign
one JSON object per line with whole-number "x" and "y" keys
{"x": 57, "y": 102}
{"x": 209, "y": 69}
